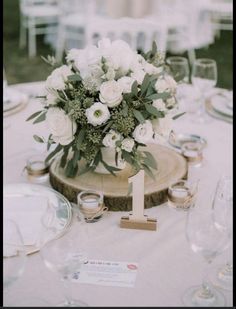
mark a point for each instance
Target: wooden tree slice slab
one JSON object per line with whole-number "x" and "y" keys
{"x": 171, "y": 168}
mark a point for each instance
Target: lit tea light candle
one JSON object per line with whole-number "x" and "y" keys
{"x": 180, "y": 195}
{"x": 192, "y": 152}
{"x": 91, "y": 204}
{"x": 36, "y": 166}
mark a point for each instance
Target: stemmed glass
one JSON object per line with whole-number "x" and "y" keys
{"x": 179, "y": 69}
{"x": 63, "y": 257}
{"x": 223, "y": 217}
{"x": 207, "y": 240}
{"x": 204, "y": 78}
{"x": 14, "y": 256}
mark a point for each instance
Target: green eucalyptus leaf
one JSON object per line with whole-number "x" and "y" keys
{"x": 145, "y": 83}
{"x": 34, "y": 115}
{"x": 41, "y": 118}
{"x": 74, "y": 78}
{"x": 80, "y": 138}
{"x": 64, "y": 157}
{"x": 149, "y": 172}
{"x": 150, "y": 160}
{"x": 134, "y": 88}
{"x": 138, "y": 115}
{"x": 53, "y": 153}
{"x": 177, "y": 116}
{"x": 38, "y": 138}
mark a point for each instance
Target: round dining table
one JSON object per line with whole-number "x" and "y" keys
{"x": 166, "y": 265}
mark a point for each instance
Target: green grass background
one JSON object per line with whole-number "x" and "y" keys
{"x": 20, "y": 68}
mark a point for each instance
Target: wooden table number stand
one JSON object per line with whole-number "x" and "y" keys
{"x": 137, "y": 220}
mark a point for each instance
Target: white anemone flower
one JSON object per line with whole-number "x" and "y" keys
{"x": 97, "y": 114}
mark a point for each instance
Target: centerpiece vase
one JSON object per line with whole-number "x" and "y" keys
{"x": 108, "y": 156}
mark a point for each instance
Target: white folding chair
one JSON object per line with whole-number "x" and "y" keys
{"x": 38, "y": 17}
{"x": 73, "y": 23}
{"x": 138, "y": 33}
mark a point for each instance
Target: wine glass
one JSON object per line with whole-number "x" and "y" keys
{"x": 223, "y": 217}
{"x": 204, "y": 78}
{"x": 208, "y": 241}
{"x": 63, "y": 257}
{"x": 179, "y": 69}
{"x": 14, "y": 256}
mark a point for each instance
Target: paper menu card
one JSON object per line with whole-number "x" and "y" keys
{"x": 26, "y": 211}
{"x": 107, "y": 273}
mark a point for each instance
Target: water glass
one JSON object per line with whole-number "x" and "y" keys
{"x": 204, "y": 78}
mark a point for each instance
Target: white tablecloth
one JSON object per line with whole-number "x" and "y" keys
{"x": 167, "y": 266}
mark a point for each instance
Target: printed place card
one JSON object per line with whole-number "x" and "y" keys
{"x": 107, "y": 273}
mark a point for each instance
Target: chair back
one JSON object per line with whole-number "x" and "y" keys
{"x": 138, "y": 33}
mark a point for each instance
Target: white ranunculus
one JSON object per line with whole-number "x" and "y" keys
{"x": 127, "y": 144}
{"x": 111, "y": 93}
{"x": 143, "y": 132}
{"x": 138, "y": 75}
{"x": 126, "y": 83}
{"x": 97, "y": 114}
{"x": 60, "y": 125}
{"x": 163, "y": 126}
{"x": 111, "y": 138}
{"x": 58, "y": 78}
{"x": 159, "y": 104}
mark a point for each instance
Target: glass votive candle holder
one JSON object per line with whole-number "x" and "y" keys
{"x": 182, "y": 194}
{"x": 37, "y": 169}
{"x": 91, "y": 205}
{"x": 193, "y": 152}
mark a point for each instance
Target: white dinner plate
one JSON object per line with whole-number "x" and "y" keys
{"x": 14, "y": 101}
{"x": 220, "y": 103}
{"x": 32, "y": 200}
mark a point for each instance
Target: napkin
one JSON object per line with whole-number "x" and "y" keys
{"x": 26, "y": 211}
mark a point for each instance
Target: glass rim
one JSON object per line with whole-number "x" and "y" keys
{"x": 177, "y": 59}
{"x": 96, "y": 194}
{"x": 205, "y": 61}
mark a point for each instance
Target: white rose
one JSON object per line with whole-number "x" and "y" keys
{"x": 127, "y": 144}
{"x": 143, "y": 132}
{"x": 138, "y": 75}
{"x": 166, "y": 83}
{"x": 110, "y": 75}
{"x": 171, "y": 102}
{"x": 118, "y": 53}
{"x": 171, "y": 82}
{"x": 58, "y": 78}
{"x": 159, "y": 105}
{"x": 161, "y": 85}
{"x": 126, "y": 83}
{"x": 60, "y": 125}
{"x": 86, "y": 58}
{"x": 111, "y": 138}
{"x": 111, "y": 93}
{"x": 163, "y": 126}
{"x": 97, "y": 114}
{"x": 151, "y": 69}
{"x": 72, "y": 54}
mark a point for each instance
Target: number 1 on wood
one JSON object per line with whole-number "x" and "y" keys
{"x": 138, "y": 196}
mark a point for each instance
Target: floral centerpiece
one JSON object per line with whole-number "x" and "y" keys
{"x": 103, "y": 104}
